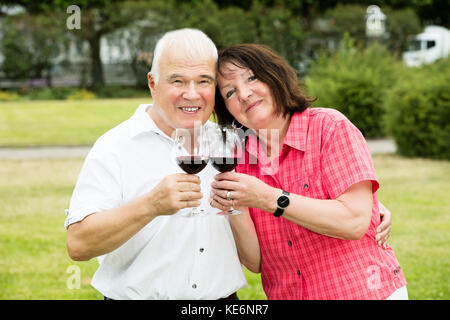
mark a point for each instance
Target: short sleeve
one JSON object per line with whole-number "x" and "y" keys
{"x": 346, "y": 159}
{"x": 98, "y": 187}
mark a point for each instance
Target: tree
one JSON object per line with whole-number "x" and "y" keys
{"x": 98, "y": 18}
{"x": 27, "y": 50}
{"x": 99, "y": 21}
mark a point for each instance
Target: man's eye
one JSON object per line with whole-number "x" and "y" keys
{"x": 205, "y": 82}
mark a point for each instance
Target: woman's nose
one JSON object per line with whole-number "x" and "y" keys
{"x": 244, "y": 93}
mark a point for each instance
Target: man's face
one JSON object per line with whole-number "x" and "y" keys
{"x": 184, "y": 94}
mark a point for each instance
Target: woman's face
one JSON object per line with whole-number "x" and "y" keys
{"x": 249, "y": 100}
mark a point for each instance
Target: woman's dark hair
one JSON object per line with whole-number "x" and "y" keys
{"x": 270, "y": 68}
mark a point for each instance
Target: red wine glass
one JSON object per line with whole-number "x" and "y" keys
{"x": 191, "y": 153}
{"x": 225, "y": 151}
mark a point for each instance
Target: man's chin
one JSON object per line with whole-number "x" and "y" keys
{"x": 192, "y": 123}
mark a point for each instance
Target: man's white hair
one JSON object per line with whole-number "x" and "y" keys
{"x": 193, "y": 42}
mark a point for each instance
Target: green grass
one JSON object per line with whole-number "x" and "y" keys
{"x": 34, "y": 262}
{"x": 33, "y": 258}
{"x": 54, "y": 122}
{"x": 62, "y": 122}
{"x": 417, "y": 191}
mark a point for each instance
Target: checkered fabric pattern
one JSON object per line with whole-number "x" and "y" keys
{"x": 323, "y": 155}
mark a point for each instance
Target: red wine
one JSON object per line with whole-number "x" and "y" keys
{"x": 192, "y": 164}
{"x": 224, "y": 164}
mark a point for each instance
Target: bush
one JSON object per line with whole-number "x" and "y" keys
{"x": 419, "y": 112}
{"x": 8, "y": 96}
{"x": 58, "y": 93}
{"x": 114, "y": 91}
{"x": 355, "y": 82}
{"x": 82, "y": 94}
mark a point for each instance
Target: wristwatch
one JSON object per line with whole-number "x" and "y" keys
{"x": 282, "y": 203}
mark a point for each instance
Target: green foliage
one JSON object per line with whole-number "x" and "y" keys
{"x": 347, "y": 19}
{"x": 26, "y": 49}
{"x": 419, "y": 111}
{"x": 401, "y": 24}
{"x": 355, "y": 82}
{"x": 351, "y": 19}
{"x": 279, "y": 29}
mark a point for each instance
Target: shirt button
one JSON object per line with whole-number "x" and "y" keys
{"x": 299, "y": 273}
{"x": 194, "y": 286}
{"x": 201, "y": 249}
{"x": 289, "y": 243}
{"x": 305, "y": 186}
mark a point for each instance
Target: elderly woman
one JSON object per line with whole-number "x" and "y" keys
{"x": 309, "y": 184}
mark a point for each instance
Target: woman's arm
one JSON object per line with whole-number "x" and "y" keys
{"x": 347, "y": 217}
{"x": 246, "y": 240}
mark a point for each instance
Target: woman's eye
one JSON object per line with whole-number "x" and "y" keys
{"x": 229, "y": 94}
{"x": 251, "y": 78}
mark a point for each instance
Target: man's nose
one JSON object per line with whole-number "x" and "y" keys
{"x": 191, "y": 92}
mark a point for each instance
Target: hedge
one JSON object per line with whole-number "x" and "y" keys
{"x": 419, "y": 112}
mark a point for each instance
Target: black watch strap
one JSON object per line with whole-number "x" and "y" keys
{"x": 282, "y": 203}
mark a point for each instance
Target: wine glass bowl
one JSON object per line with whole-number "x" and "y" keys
{"x": 191, "y": 153}
{"x": 225, "y": 150}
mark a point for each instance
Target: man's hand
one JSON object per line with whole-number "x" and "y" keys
{"x": 176, "y": 192}
{"x": 384, "y": 229}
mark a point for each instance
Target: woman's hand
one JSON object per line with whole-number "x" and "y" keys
{"x": 384, "y": 229}
{"x": 244, "y": 191}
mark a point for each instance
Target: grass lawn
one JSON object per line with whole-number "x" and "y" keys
{"x": 33, "y": 259}
{"x": 34, "y": 263}
{"x": 61, "y": 122}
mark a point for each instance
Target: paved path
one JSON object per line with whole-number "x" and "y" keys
{"x": 375, "y": 146}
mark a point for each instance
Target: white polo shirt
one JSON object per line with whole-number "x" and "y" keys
{"x": 172, "y": 257}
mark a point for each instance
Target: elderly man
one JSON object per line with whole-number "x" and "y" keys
{"x": 128, "y": 207}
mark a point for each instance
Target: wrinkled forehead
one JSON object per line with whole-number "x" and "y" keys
{"x": 176, "y": 56}
{"x": 190, "y": 52}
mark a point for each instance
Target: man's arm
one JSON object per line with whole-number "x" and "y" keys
{"x": 103, "y": 232}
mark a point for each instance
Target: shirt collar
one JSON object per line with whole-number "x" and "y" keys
{"x": 295, "y": 136}
{"x": 298, "y": 130}
{"x": 142, "y": 122}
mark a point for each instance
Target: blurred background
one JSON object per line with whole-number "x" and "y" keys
{"x": 71, "y": 70}
{"x": 361, "y": 57}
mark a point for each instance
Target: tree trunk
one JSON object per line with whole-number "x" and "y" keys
{"x": 96, "y": 61}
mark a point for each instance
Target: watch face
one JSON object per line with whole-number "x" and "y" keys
{"x": 283, "y": 201}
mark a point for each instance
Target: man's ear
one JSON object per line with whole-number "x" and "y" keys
{"x": 151, "y": 83}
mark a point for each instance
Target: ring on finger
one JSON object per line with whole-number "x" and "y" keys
{"x": 228, "y": 195}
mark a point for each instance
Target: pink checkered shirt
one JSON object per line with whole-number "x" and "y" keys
{"x": 323, "y": 155}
